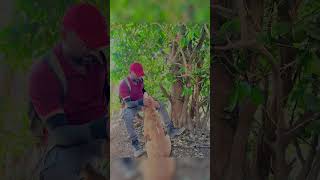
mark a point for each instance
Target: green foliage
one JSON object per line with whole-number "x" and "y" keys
{"x": 34, "y": 29}
{"x": 243, "y": 90}
{"x": 232, "y": 26}
{"x": 140, "y": 11}
{"x": 149, "y": 44}
{"x": 280, "y": 29}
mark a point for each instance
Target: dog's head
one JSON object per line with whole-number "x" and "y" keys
{"x": 151, "y": 102}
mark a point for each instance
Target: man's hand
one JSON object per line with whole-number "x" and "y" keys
{"x": 157, "y": 105}
{"x": 149, "y": 102}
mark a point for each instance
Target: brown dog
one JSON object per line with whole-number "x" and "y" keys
{"x": 158, "y": 165}
{"x": 158, "y": 144}
{"x": 161, "y": 168}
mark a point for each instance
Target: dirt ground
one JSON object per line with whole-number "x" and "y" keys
{"x": 194, "y": 145}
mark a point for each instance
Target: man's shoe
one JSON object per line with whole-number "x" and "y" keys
{"x": 128, "y": 167}
{"x": 173, "y": 132}
{"x": 137, "y": 149}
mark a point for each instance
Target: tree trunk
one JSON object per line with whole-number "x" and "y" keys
{"x": 177, "y": 102}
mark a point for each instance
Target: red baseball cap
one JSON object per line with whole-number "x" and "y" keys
{"x": 137, "y": 69}
{"x": 88, "y": 23}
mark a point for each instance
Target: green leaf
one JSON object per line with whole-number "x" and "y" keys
{"x": 183, "y": 42}
{"x": 280, "y": 29}
{"x": 234, "y": 98}
{"x": 244, "y": 90}
{"x": 186, "y": 91}
{"x": 257, "y": 96}
{"x": 314, "y": 128}
{"x": 314, "y": 31}
{"x": 231, "y": 26}
{"x": 311, "y": 102}
{"x": 312, "y": 64}
{"x": 264, "y": 38}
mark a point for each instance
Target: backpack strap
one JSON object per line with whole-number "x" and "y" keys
{"x": 54, "y": 64}
{"x": 126, "y": 80}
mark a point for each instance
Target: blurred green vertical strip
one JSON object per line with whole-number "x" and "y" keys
{"x": 168, "y": 11}
{"x": 35, "y": 28}
{"x": 32, "y": 29}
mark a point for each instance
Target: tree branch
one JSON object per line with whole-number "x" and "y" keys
{"x": 304, "y": 171}
{"x": 315, "y": 169}
{"x": 183, "y": 58}
{"x": 224, "y": 12}
{"x": 199, "y": 45}
{"x": 298, "y": 151}
{"x": 236, "y": 45}
{"x": 164, "y": 91}
{"x": 306, "y": 118}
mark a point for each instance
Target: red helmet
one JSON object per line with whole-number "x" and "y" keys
{"x": 88, "y": 23}
{"x": 137, "y": 69}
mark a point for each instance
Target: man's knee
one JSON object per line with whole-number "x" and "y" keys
{"x": 162, "y": 106}
{"x": 128, "y": 114}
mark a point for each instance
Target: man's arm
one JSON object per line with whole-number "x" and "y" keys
{"x": 45, "y": 92}
{"x": 125, "y": 95}
{"x": 132, "y": 104}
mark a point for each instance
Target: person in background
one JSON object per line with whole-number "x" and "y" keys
{"x": 68, "y": 91}
{"x": 131, "y": 91}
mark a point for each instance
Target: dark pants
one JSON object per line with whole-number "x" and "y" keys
{"x": 65, "y": 163}
{"x": 129, "y": 114}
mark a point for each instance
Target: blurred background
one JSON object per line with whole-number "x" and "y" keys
{"x": 28, "y": 28}
{"x": 169, "y": 11}
{"x": 180, "y": 169}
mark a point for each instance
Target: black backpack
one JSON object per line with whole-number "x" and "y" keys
{"x": 37, "y": 125}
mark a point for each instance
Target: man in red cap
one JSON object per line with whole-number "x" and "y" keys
{"x": 68, "y": 91}
{"x": 131, "y": 91}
